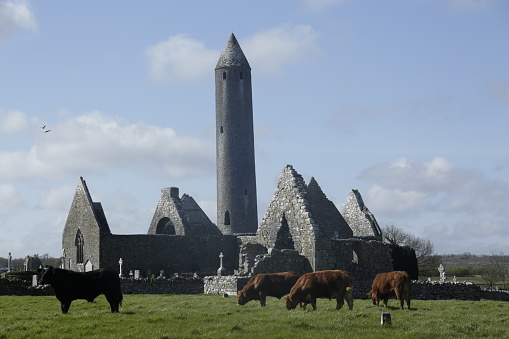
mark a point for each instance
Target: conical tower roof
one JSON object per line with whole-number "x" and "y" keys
{"x": 232, "y": 55}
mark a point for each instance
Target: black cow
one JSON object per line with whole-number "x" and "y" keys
{"x": 70, "y": 285}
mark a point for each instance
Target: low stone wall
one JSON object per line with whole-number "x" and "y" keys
{"x": 20, "y": 287}
{"x": 229, "y": 284}
{"x": 424, "y": 290}
{"x": 421, "y": 290}
{"x": 162, "y": 286}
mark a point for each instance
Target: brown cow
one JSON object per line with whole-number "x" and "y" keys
{"x": 267, "y": 284}
{"x": 321, "y": 284}
{"x": 388, "y": 284}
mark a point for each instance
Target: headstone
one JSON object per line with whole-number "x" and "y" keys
{"x": 386, "y": 318}
{"x": 136, "y": 274}
{"x": 442, "y": 273}
{"x": 120, "y": 262}
{"x": 221, "y": 270}
{"x": 34, "y": 280}
{"x": 9, "y": 258}
{"x": 88, "y": 266}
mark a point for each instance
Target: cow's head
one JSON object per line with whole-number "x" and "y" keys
{"x": 47, "y": 275}
{"x": 374, "y": 296}
{"x": 241, "y": 298}
{"x": 290, "y": 304}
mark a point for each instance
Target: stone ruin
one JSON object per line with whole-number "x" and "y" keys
{"x": 302, "y": 231}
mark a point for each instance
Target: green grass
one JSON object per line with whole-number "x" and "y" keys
{"x": 210, "y": 316}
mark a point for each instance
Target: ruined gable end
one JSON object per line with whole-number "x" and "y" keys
{"x": 360, "y": 219}
{"x": 332, "y": 224}
{"x": 85, "y": 224}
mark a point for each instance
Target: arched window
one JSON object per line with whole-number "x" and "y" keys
{"x": 165, "y": 226}
{"x": 221, "y": 129}
{"x": 79, "y": 242}
{"x": 224, "y": 75}
{"x": 241, "y": 75}
{"x": 227, "y": 218}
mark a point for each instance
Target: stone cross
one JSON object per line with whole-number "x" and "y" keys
{"x": 63, "y": 259}
{"x": 442, "y": 273}
{"x": 221, "y": 270}
{"x": 9, "y": 258}
{"x": 120, "y": 262}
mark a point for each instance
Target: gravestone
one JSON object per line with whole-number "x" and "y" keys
{"x": 386, "y": 318}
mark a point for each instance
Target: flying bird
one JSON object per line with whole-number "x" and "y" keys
{"x": 46, "y": 131}
{"x": 43, "y": 127}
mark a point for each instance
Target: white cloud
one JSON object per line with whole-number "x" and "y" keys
{"x": 16, "y": 15}
{"x": 56, "y": 199}
{"x": 10, "y": 199}
{"x": 272, "y": 49}
{"x": 180, "y": 58}
{"x": 94, "y": 142}
{"x": 437, "y": 185}
{"x": 12, "y": 122}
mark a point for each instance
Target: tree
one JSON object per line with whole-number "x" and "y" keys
{"x": 496, "y": 270}
{"x": 426, "y": 260}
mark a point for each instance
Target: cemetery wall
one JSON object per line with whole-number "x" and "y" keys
{"x": 221, "y": 285}
{"x": 162, "y": 286}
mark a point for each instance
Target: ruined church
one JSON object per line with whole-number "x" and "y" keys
{"x": 302, "y": 230}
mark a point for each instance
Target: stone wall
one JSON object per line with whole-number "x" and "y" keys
{"x": 170, "y": 253}
{"x": 288, "y": 216}
{"x": 176, "y": 285}
{"x": 421, "y": 290}
{"x": 281, "y": 261}
{"x": 224, "y": 284}
{"x": 359, "y": 218}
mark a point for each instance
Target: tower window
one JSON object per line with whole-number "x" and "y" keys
{"x": 221, "y": 129}
{"x": 227, "y": 218}
{"x": 79, "y": 242}
{"x": 245, "y": 191}
{"x": 241, "y": 75}
{"x": 224, "y": 75}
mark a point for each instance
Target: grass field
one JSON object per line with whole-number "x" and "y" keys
{"x": 210, "y": 316}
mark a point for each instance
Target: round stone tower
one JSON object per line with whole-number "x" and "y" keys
{"x": 236, "y": 178}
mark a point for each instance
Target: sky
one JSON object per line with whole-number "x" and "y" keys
{"x": 405, "y": 100}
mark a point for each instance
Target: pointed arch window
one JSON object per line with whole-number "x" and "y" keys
{"x": 221, "y": 129}
{"x": 224, "y": 75}
{"x": 241, "y": 75}
{"x": 227, "y": 217}
{"x": 79, "y": 242}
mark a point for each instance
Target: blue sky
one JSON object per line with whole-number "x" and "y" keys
{"x": 406, "y": 101}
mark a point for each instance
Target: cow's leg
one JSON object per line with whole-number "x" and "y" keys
{"x": 113, "y": 303}
{"x": 64, "y": 305}
{"x": 386, "y": 299}
{"x": 313, "y": 302}
{"x": 263, "y": 299}
{"x": 399, "y": 296}
{"x": 349, "y": 298}
{"x": 407, "y": 298}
